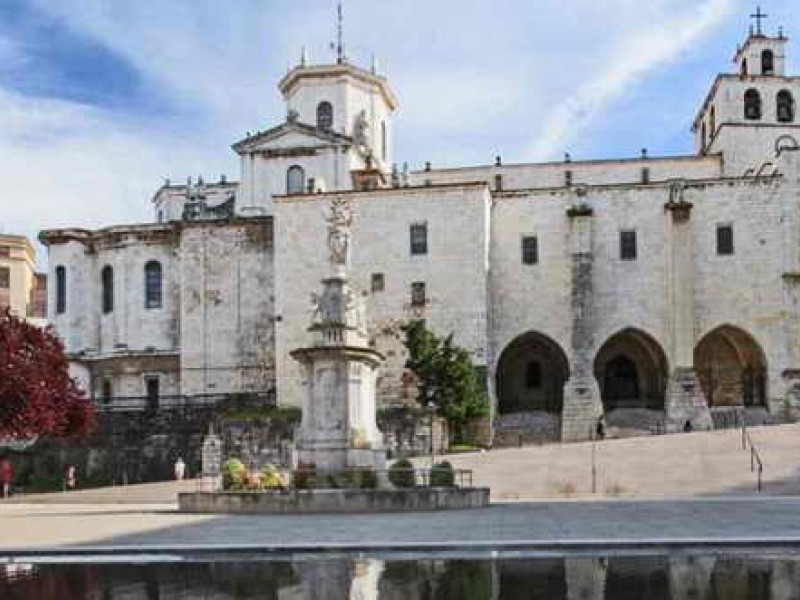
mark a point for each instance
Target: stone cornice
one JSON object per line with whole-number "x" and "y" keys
{"x": 388, "y": 191}
{"x": 299, "y": 73}
{"x": 251, "y": 143}
{"x": 690, "y": 184}
{"x": 50, "y": 237}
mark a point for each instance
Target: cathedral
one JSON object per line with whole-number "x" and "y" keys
{"x": 654, "y": 292}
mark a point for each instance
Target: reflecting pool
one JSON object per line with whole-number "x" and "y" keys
{"x": 492, "y": 576}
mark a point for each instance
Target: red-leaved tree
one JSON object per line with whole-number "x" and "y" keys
{"x": 37, "y": 395}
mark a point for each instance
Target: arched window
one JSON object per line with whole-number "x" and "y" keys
{"x": 295, "y": 180}
{"x": 107, "y": 280}
{"x": 325, "y": 116}
{"x": 384, "y": 141}
{"x": 712, "y": 122}
{"x": 703, "y": 138}
{"x": 61, "y": 290}
{"x": 767, "y": 62}
{"x": 152, "y": 284}
{"x": 744, "y": 67}
{"x": 785, "y": 107}
{"x": 752, "y": 105}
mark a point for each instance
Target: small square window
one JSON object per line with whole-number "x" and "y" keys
{"x": 530, "y": 250}
{"x": 498, "y": 182}
{"x": 153, "y": 390}
{"x": 419, "y": 238}
{"x": 418, "y": 293}
{"x": 5, "y": 278}
{"x": 5, "y": 252}
{"x": 377, "y": 282}
{"x": 724, "y": 239}
{"x": 627, "y": 245}
{"x": 568, "y": 178}
{"x": 646, "y": 175}
{"x": 107, "y": 390}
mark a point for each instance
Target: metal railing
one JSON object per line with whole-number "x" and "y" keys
{"x": 178, "y": 401}
{"x": 756, "y": 464}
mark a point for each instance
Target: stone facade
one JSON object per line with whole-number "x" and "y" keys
{"x": 654, "y": 290}
{"x": 207, "y": 331}
{"x": 22, "y": 290}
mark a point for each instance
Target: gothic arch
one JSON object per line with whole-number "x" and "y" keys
{"x": 731, "y": 367}
{"x": 631, "y": 370}
{"x": 530, "y": 375}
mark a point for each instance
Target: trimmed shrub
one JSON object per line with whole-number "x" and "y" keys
{"x": 401, "y": 474}
{"x": 442, "y": 475}
{"x": 363, "y": 479}
{"x": 270, "y": 478}
{"x": 457, "y": 448}
{"x": 234, "y": 474}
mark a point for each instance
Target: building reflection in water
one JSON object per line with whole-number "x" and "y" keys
{"x": 684, "y": 577}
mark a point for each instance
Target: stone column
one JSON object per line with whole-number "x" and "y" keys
{"x": 586, "y": 578}
{"x": 582, "y": 402}
{"x": 690, "y": 576}
{"x": 685, "y": 400}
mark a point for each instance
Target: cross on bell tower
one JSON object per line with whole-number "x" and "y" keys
{"x": 758, "y": 17}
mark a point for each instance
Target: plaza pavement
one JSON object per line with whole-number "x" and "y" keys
{"x": 667, "y": 466}
{"x": 686, "y": 489}
{"x": 553, "y": 525}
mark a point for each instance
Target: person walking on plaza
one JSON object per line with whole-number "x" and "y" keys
{"x": 69, "y": 478}
{"x": 601, "y": 428}
{"x": 6, "y": 476}
{"x": 180, "y": 469}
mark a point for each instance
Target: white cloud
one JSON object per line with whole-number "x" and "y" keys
{"x": 472, "y": 78}
{"x": 636, "y": 54}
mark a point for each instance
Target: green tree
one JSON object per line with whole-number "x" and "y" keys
{"x": 446, "y": 376}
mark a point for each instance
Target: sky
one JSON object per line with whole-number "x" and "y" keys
{"x": 101, "y": 100}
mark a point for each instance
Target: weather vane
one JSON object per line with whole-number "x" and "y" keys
{"x": 339, "y": 46}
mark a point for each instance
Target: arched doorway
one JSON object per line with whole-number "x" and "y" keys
{"x": 731, "y": 368}
{"x": 530, "y": 375}
{"x": 631, "y": 370}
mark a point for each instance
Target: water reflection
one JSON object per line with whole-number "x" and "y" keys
{"x": 572, "y": 578}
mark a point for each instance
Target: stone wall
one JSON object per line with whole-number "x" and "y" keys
{"x": 454, "y": 271}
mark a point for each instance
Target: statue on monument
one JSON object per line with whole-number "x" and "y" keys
{"x": 340, "y": 220}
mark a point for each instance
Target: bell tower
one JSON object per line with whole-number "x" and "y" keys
{"x": 747, "y": 113}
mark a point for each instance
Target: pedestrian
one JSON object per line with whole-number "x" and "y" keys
{"x": 688, "y": 427}
{"x": 180, "y": 469}
{"x": 6, "y": 476}
{"x": 601, "y": 428}
{"x": 69, "y": 478}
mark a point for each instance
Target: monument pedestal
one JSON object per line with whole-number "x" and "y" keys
{"x": 338, "y": 430}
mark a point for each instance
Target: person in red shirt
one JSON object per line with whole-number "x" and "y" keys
{"x": 6, "y": 475}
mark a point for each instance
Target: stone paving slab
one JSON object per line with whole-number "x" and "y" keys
{"x": 741, "y": 521}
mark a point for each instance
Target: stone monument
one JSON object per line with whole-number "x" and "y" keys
{"x": 338, "y": 429}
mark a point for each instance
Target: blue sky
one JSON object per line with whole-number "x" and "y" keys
{"x": 102, "y": 99}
